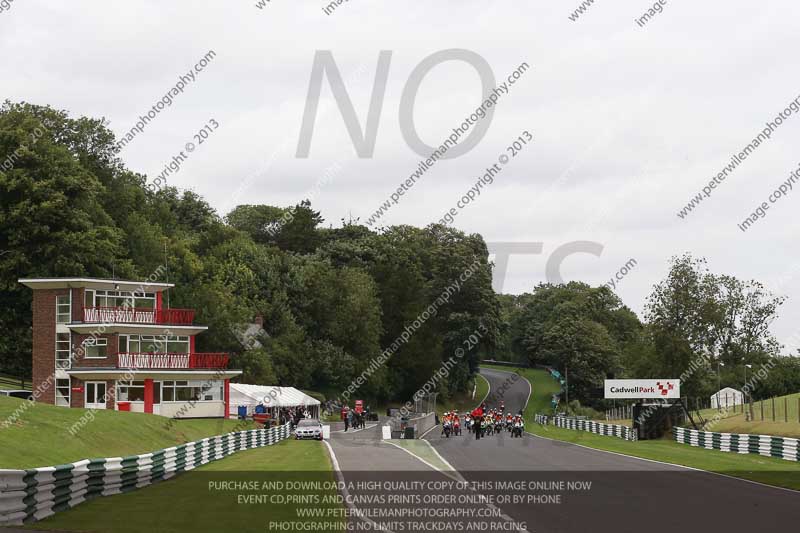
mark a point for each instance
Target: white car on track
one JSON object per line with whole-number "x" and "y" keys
{"x": 308, "y": 428}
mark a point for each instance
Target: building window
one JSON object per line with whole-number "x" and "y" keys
{"x": 188, "y": 391}
{"x": 155, "y": 344}
{"x": 130, "y": 391}
{"x": 62, "y": 392}
{"x": 63, "y": 309}
{"x": 95, "y": 348}
{"x": 179, "y": 344}
{"x": 63, "y": 348}
{"x": 145, "y": 300}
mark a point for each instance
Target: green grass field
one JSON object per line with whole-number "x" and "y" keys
{"x": 784, "y": 412}
{"x": 195, "y": 501}
{"x": 11, "y": 383}
{"x": 41, "y": 437}
{"x": 768, "y": 470}
{"x": 465, "y": 402}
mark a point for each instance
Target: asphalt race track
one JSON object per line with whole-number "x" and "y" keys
{"x": 626, "y": 494}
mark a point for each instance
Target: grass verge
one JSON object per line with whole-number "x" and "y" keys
{"x": 198, "y": 501}
{"x": 423, "y": 449}
{"x": 464, "y": 401}
{"x": 41, "y": 435}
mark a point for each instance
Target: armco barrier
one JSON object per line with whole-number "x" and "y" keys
{"x": 766, "y": 445}
{"x": 598, "y": 428}
{"x": 36, "y": 493}
{"x": 541, "y": 419}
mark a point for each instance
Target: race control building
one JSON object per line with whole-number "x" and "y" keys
{"x": 112, "y": 344}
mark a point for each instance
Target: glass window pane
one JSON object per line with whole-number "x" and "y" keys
{"x": 169, "y": 394}
{"x": 88, "y": 298}
{"x": 62, "y": 309}
{"x": 183, "y": 394}
{"x": 178, "y": 346}
{"x": 145, "y": 303}
{"x": 135, "y": 394}
{"x": 95, "y": 350}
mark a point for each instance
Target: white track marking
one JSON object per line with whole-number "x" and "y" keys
{"x": 434, "y": 427}
{"x": 455, "y": 474}
{"x": 346, "y": 493}
{"x": 488, "y": 391}
{"x": 415, "y": 456}
{"x": 530, "y": 391}
{"x": 442, "y": 459}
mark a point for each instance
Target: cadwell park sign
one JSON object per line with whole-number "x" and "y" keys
{"x": 642, "y": 388}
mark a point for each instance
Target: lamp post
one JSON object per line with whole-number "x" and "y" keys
{"x": 719, "y": 383}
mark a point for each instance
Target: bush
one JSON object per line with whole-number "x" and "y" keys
{"x": 575, "y": 408}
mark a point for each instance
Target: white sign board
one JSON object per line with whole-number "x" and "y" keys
{"x": 643, "y": 388}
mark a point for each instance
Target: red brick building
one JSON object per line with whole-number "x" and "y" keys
{"x": 111, "y": 344}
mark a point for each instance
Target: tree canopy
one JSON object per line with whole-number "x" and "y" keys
{"x": 332, "y": 298}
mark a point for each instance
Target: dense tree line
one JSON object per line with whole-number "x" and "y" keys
{"x": 331, "y": 297}
{"x": 696, "y": 324}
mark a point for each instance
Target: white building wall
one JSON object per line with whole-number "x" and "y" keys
{"x": 197, "y": 410}
{"x": 183, "y": 409}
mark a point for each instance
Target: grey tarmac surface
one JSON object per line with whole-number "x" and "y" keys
{"x": 627, "y": 494}
{"x": 403, "y": 484}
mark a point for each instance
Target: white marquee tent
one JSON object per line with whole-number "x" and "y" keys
{"x": 271, "y": 397}
{"x": 728, "y": 397}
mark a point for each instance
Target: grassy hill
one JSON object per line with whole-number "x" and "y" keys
{"x": 41, "y": 436}
{"x": 734, "y": 421}
{"x": 10, "y": 382}
{"x": 187, "y": 503}
{"x": 463, "y": 402}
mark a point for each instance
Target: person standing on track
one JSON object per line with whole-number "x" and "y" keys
{"x": 477, "y": 416}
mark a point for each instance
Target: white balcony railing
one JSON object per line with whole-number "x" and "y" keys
{"x": 137, "y": 315}
{"x": 119, "y": 315}
{"x": 153, "y": 360}
{"x": 172, "y": 360}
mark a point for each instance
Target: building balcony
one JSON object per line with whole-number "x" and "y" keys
{"x": 173, "y": 360}
{"x": 134, "y": 315}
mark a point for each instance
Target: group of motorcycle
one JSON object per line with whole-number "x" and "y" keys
{"x": 483, "y": 422}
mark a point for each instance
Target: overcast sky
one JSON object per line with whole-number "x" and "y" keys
{"x": 629, "y": 122}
